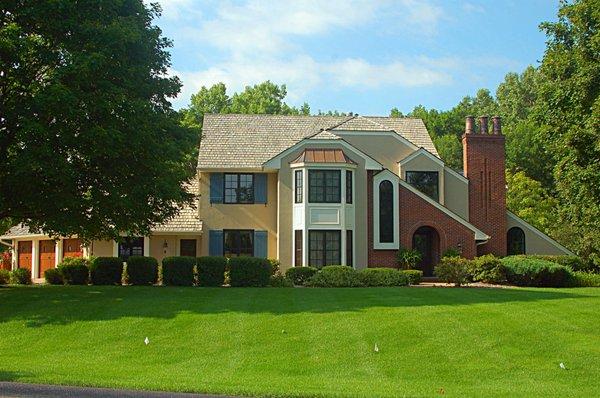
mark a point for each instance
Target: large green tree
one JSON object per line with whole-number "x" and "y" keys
{"x": 569, "y": 114}
{"x": 89, "y": 143}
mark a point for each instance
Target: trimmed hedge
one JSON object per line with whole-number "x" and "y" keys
{"x": 413, "y": 276}
{"x": 528, "y": 271}
{"x": 335, "y": 276}
{"x": 585, "y": 279}
{"x": 575, "y": 263}
{"x": 178, "y": 271}
{"x": 300, "y": 275}
{"x": 106, "y": 270}
{"x": 53, "y": 276}
{"x": 20, "y": 276}
{"x": 487, "y": 269}
{"x": 211, "y": 270}
{"x": 381, "y": 277}
{"x": 74, "y": 271}
{"x": 4, "y": 276}
{"x": 453, "y": 270}
{"x": 279, "y": 280}
{"x": 142, "y": 270}
{"x": 249, "y": 271}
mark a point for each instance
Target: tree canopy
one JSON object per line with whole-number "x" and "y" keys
{"x": 89, "y": 142}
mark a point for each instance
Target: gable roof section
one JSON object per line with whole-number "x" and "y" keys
{"x": 425, "y": 152}
{"x": 539, "y": 233}
{"x": 248, "y": 141}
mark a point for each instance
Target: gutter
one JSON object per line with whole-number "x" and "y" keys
{"x": 6, "y": 243}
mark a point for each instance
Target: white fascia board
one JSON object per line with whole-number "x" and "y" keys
{"x": 539, "y": 233}
{"x": 479, "y": 235}
{"x": 275, "y": 162}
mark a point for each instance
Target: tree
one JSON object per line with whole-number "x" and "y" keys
{"x": 450, "y": 150}
{"x": 206, "y": 100}
{"x": 569, "y": 113}
{"x": 90, "y": 145}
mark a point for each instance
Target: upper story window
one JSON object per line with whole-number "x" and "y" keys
{"x": 239, "y": 188}
{"x": 299, "y": 186}
{"x": 348, "y": 186}
{"x": 426, "y": 182}
{"x": 324, "y": 186}
{"x": 386, "y": 212}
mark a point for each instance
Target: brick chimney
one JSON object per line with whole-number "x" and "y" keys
{"x": 483, "y": 162}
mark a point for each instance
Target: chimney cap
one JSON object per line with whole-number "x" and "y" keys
{"x": 483, "y": 124}
{"x": 469, "y": 124}
{"x": 496, "y": 125}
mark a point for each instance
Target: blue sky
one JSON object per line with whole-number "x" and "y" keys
{"x": 361, "y": 56}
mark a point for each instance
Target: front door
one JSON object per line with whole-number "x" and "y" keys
{"x": 426, "y": 241}
{"x": 72, "y": 248}
{"x": 47, "y": 256}
{"x": 24, "y": 249}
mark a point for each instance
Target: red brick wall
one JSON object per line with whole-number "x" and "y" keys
{"x": 483, "y": 161}
{"x": 414, "y": 213}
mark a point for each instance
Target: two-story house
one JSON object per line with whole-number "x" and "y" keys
{"x": 322, "y": 190}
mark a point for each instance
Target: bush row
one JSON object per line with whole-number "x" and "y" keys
{"x": 344, "y": 276}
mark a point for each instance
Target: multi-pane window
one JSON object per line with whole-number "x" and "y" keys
{"x": 238, "y": 243}
{"x": 299, "y": 186}
{"x": 349, "y": 249}
{"x": 324, "y": 186}
{"x": 348, "y": 186}
{"x": 298, "y": 248}
{"x": 386, "y": 212}
{"x": 425, "y": 181}
{"x": 239, "y": 188}
{"x": 324, "y": 248}
{"x": 131, "y": 247}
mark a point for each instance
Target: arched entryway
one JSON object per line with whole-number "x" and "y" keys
{"x": 515, "y": 241}
{"x": 427, "y": 241}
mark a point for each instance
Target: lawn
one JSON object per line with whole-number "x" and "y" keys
{"x": 306, "y": 342}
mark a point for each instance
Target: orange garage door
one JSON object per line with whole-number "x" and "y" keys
{"x": 72, "y": 248}
{"x": 24, "y": 249}
{"x": 47, "y": 256}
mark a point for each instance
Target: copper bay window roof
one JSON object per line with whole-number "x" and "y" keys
{"x": 323, "y": 156}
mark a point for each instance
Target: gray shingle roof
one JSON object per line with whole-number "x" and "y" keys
{"x": 19, "y": 230}
{"x": 247, "y": 141}
{"x": 186, "y": 220}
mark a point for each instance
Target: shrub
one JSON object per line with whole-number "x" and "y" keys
{"x": 382, "y": 277}
{"x": 106, "y": 271}
{"x": 453, "y": 270}
{"x": 249, "y": 271}
{"x": 279, "y": 280}
{"x": 142, "y": 270}
{"x": 335, "y": 276}
{"x": 20, "y": 276}
{"x": 6, "y": 260}
{"x": 211, "y": 270}
{"x": 408, "y": 258}
{"x": 528, "y": 271}
{"x": 178, "y": 271}
{"x": 451, "y": 252}
{"x": 413, "y": 276}
{"x": 575, "y": 263}
{"x": 74, "y": 271}
{"x": 585, "y": 279}
{"x": 4, "y": 276}
{"x": 300, "y": 275}
{"x": 53, "y": 276}
{"x": 487, "y": 269}
{"x": 275, "y": 265}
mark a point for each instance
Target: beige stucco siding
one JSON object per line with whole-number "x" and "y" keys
{"x": 286, "y": 205}
{"x": 102, "y": 248}
{"x": 386, "y": 149}
{"x": 456, "y": 194}
{"x": 260, "y": 217}
{"x": 159, "y": 251}
{"x": 535, "y": 241}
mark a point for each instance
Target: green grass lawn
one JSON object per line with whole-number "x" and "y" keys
{"x": 306, "y": 342}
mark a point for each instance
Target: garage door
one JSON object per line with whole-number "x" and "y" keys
{"x": 24, "y": 249}
{"x": 72, "y": 248}
{"x": 47, "y": 256}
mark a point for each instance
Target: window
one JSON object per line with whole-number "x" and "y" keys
{"x": 348, "y": 186}
{"x": 131, "y": 247}
{"x": 238, "y": 243}
{"x": 187, "y": 247}
{"x": 299, "y": 186}
{"x": 324, "y": 248}
{"x": 349, "y": 249}
{"x": 324, "y": 186}
{"x": 386, "y": 212}
{"x": 239, "y": 188}
{"x": 298, "y": 248}
{"x": 425, "y": 181}
{"x": 515, "y": 241}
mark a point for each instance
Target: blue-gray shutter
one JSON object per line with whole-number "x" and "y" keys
{"x": 260, "y": 244}
{"x": 215, "y": 242}
{"x": 260, "y": 188}
{"x": 216, "y": 188}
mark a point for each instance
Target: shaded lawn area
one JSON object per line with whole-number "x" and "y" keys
{"x": 305, "y": 342}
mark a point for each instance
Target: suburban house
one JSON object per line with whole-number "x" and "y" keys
{"x": 322, "y": 190}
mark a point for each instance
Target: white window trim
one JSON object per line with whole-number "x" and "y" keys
{"x": 393, "y": 178}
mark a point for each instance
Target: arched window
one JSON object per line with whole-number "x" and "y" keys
{"x": 515, "y": 241}
{"x": 386, "y": 212}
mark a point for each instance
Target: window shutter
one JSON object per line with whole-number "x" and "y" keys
{"x": 260, "y": 188}
{"x": 215, "y": 242}
{"x": 260, "y": 244}
{"x": 216, "y": 188}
